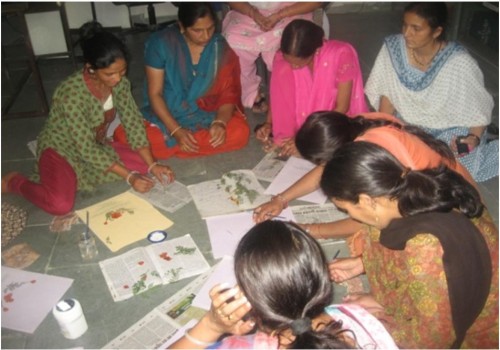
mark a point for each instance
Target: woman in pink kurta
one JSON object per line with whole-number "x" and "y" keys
{"x": 255, "y": 28}
{"x": 310, "y": 74}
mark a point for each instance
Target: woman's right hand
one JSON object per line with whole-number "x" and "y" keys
{"x": 228, "y": 308}
{"x": 186, "y": 141}
{"x": 263, "y": 132}
{"x": 267, "y": 210}
{"x": 141, "y": 183}
{"x": 344, "y": 269}
{"x": 260, "y": 20}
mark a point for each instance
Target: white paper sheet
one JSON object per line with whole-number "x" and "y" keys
{"x": 294, "y": 169}
{"x": 27, "y": 297}
{"x": 223, "y": 273}
{"x": 225, "y": 231}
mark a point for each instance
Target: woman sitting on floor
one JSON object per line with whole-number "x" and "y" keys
{"x": 428, "y": 81}
{"x": 430, "y": 250}
{"x": 284, "y": 292}
{"x": 254, "y": 29}
{"x": 310, "y": 74}
{"x": 193, "y": 91}
{"x": 73, "y": 151}
{"x": 324, "y": 133}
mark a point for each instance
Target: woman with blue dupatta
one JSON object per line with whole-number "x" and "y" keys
{"x": 436, "y": 84}
{"x": 193, "y": 91}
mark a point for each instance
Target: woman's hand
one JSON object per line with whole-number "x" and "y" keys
{"x": 140, "y": 183}
{"x": 186, "y": 141}
{"x": 271, "y": 21}
{"x": 163, "y": 173}
{"x": 288, "y": 148}
{"x": 471, "y": 140}
{"x": 228, "y": 308}
{"x": 217, "y": 134}
{"x": 344, "y": 269}
{"x": 268, "y": 210}
{"x": 263, "y": 132}
{"x": 260, "y": 20}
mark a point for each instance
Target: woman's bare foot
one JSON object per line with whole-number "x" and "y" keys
{"x": 6, "y": 180}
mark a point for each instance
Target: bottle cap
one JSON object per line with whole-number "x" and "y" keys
{"x": 157, "y": 236}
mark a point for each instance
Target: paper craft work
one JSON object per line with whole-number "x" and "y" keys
{"x": 234, "y": 192}
{"x": 269, "y": 167}
{"x": 293, "y": 170}
{"x": 140, "y": 269}
{"x": 170, "y": 198}
{"x": 27, "y": 297}
{"x": 123, "y": 219}
{"x": 226, "y": 231}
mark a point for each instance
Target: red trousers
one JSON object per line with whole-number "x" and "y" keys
{"x": 237, "y": 134}
{"x": 56, "y": 191}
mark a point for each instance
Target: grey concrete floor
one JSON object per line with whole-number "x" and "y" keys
{"x": 59, "y": 251}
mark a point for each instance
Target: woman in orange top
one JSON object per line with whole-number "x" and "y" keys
{"x": 324, "y": 132}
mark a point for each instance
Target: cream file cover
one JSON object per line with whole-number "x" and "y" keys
{"x": 123, "y": 219}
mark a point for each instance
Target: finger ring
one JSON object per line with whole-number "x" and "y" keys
{"x": 219, "y": 311}
{"x": 230, "y": 317}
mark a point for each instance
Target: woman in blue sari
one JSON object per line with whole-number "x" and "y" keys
{"x": 193, "y": 93}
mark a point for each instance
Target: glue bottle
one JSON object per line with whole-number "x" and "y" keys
{"x": 69, "y": 315}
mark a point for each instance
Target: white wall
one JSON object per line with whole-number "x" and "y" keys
{"x": 111, "y": 15}
{"x": 46, "y": 32}
{"x": 78, "y": 13}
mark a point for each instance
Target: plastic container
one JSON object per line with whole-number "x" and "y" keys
{"x": 69, "y": 315}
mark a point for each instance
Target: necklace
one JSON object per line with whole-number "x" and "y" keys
{"x": 421, "y": 64}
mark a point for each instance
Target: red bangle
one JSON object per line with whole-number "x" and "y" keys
{"x": 282, "y": 199}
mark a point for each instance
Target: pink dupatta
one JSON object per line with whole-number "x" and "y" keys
{"x": 296, "y": 93}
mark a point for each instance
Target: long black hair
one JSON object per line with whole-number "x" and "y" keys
{"x": 301, "y": 38}
{"x": 365, "y": 168}
{"x": 325, "y": 131}
{"x": 283, "y": 272}
{"x": 100, "y": 47}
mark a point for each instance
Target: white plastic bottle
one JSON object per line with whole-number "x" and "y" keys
{"x": 69, "y": 315}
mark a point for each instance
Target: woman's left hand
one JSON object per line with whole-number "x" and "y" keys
{"x": 470, "y": 140}
{"x": 271, "y": 21}
{"x": 228, "y": 308}
{"x": 217, "y": 135}
{"x": 288, "y": 148}
{"x": 163, "y": 173}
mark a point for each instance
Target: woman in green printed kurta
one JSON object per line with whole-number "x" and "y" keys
{"x": 73, "y": 150}
{"x": 430, "y": 249}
